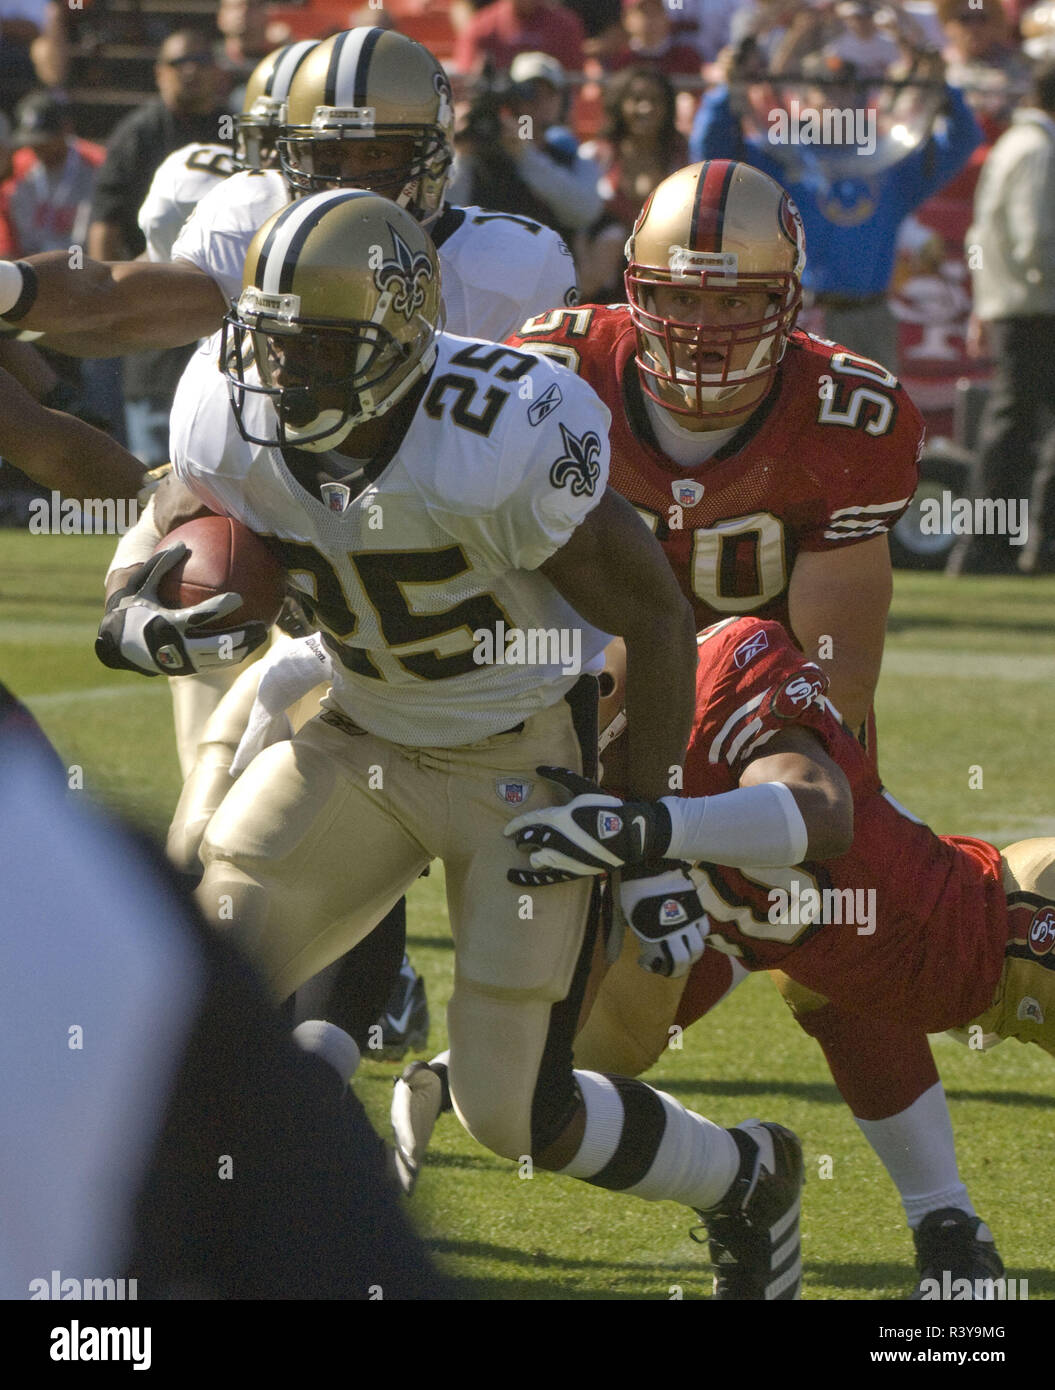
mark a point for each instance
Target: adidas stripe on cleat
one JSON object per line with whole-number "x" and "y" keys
{"x": 753, "y": 1234}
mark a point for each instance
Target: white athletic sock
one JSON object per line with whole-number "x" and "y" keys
{"x": 916, "y": 1148}
{"x": 666, "y": 1153}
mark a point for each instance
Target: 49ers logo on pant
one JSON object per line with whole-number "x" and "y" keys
{"x": 1042, "y": 931}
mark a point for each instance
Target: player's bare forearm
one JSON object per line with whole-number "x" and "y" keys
{"x": 614, "y": 573}
{"x": 819, "y": 786}
{"x": 90, "y": 463}
{"x": 838, "y": 602}
{"x": 59, "y": 451}
{"x": 101, "y": 309}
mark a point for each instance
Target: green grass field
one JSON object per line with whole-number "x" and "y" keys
{"x": 967, "y": 685}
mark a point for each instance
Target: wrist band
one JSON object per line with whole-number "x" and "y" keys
{"x": 18, "y": 289}
{"x": 758, "y": 826}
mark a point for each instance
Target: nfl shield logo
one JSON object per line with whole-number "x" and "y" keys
{"x": 686, "y": 493}
{"x": 608, "y": 825}
{"x": 514, "y": 793}
{"x": 672, "y": 912}
{"x": 336, "y": 495}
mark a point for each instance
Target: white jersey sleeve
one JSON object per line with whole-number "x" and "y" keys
{"x": 499, "y": 270}
{"x": 216, "y": 237}
{"x": 209, "y": 456}
{"x": 549, "y": 454}
{"x": 180, "y": 183}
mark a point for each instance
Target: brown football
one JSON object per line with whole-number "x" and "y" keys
{"x": 225, "y": 557}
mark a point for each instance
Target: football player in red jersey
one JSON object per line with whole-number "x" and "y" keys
{"x": 960, "y": 938}
{"x": 769, "y": 464}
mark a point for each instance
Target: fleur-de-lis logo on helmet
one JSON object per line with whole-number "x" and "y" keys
{"x": 578, "y": 464}
{"x": 405, "y": 278}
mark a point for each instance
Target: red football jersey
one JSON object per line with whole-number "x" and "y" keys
{"x": 908, "y": 923}
{"x": 828, "y": 459}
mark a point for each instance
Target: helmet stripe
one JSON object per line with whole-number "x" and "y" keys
{"x": 708, "y": 206}
{"x": 349, "y": 64}
{"x": 289, "y": 60}
{"x": 278, "y": 257}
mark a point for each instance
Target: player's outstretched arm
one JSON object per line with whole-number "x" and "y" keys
{"x": 614, "y": 573}
{"x": 61, "y": 452}
{"x": 793, "y": 804}
{"x": 102, "y": 309}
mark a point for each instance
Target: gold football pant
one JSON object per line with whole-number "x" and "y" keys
{"x": 1024, "y": 1004}
{"x": 216, "y": 741}
{"x": 323, "y": 833}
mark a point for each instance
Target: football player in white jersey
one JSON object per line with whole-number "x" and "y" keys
{"x": 183, "y": 180}
{"x": 425, "y": 509}
{"x": 179, "y": 185}
{"x": 368, "y": 107}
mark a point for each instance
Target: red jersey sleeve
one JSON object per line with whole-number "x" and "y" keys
{"x": 752, "y": 683}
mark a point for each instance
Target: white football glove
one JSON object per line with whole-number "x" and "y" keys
{"x": 665, "y": 914}
{"x": 138, "y": 633}
{"x": 590, "y": 835}
{"x": 419, "y": 1098}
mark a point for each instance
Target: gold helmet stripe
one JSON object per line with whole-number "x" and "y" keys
{"x": 708, "y": 205}
{"x": 350, "y": 64}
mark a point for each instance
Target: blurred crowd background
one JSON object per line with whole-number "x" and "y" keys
{"x": 617, "y": 94}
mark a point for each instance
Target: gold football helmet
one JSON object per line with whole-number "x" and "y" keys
{"x": 377, "y": 85}
{"x": 264, "y": 108}
{"x": 337, "y": 320}
{"x": 714, "y": 271}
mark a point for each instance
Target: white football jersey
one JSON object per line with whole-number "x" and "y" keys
{"x": 497, "y": 270}
{"x": 423, "y": 579}
{"x": 180, "y": 183}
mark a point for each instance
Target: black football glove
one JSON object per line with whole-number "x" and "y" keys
{"x": 660, "y": 902}
{"x": 138, "y": 633}
{"x": 590, "y": 835}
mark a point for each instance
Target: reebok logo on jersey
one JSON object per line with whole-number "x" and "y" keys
{"x": 686, "y": 492}
{"x": 749, "y": 649}
{"x": 546, "y": 404}
{"x": 608, "y": 825}
{"x": 672, "y": 914}
{"x": 577, "y": 466}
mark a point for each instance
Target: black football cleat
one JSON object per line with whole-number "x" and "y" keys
{"x": 952, "y": 1246}
{"x": 753, "y": 1233}
{"x": 404, "y": 1024}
